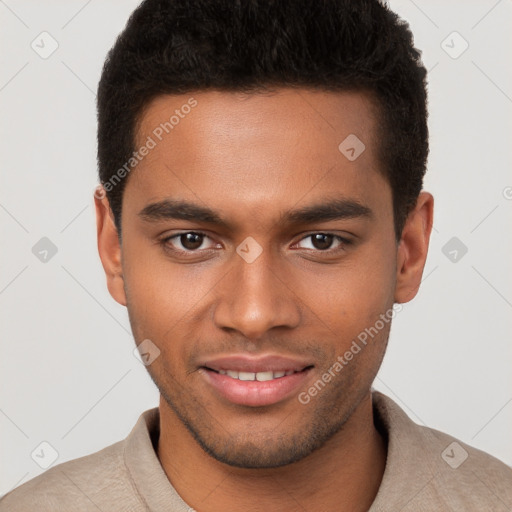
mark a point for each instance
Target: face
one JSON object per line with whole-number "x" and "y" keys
{"x": 252, "y": 244}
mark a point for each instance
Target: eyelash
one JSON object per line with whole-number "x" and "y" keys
{"x": 165, "y": 243}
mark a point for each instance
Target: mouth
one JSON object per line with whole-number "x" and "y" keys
{"x": 257, "y": 388}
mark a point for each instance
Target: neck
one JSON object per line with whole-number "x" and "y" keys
{"x": 344, "y": 474}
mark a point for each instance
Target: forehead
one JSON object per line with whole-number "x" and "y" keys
{"x": 221, "y": 113}
{"x": 255, "y": 152}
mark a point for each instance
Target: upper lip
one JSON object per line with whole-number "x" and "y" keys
{"x": 246, "y": 363}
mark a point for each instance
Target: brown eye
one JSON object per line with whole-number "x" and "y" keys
{"x": 322, "y": 241}
{"x": 325, "y": 242}
{"x": 191, "y": 241}
{"x": 187, "y": 242}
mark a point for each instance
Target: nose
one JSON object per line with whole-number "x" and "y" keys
{"x": 255, "y": 297}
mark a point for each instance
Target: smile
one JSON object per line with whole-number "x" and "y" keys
{"x": 255, "y": 389}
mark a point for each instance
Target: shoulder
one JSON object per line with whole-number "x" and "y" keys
{"x": 429, "y": 468}
{"x": 80, "y": 485}
{"x": 467, "y": 476}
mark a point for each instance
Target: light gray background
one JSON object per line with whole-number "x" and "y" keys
{"x": 68, "y": 375}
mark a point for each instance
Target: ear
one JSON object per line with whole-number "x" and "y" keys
{"x": 413, "y": 248}
{"x": 109, "y": 246}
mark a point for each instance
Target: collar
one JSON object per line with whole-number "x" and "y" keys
{"x": 410, "y": 466}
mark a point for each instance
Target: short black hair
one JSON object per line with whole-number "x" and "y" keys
{"x": 181, "y": 46}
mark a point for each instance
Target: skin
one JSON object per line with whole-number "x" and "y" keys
{"x": 251, "y": 158}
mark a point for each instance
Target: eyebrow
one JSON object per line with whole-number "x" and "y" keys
{"x": 336, "y": 209}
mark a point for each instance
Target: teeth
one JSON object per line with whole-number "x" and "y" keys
{"x": 259, "y": 376}
{"x": 262, "y": 376}
{"x": 246, "y": 376}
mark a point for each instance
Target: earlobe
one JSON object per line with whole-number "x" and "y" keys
{"x": 109, "y": 248}
{"x": 413, "y": 248}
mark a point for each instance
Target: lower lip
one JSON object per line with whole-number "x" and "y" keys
{"x": 252, "y": 392}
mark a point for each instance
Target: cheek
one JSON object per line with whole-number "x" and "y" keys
{"x": 167, "y": 303}
{"x": 355, "y": 294}
{"x": 162, "y": 293}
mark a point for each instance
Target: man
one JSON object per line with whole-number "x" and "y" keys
{"x": 262, "y": 219}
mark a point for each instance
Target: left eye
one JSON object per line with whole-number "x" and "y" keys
{"x": 324, "y": 241}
